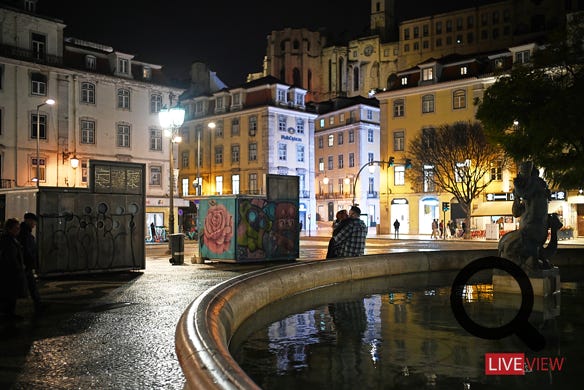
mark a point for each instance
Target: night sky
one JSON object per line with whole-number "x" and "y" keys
{"x": 230, "y": 36}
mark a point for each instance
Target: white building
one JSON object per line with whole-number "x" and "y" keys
{"x": 107, "y": 105}
{"x": 261, "y": 127}
{"x": 347, "y": 138}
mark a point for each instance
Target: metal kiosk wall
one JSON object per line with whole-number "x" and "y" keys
{"x": 97, "y": 229}
{"x": 246, "y": 228}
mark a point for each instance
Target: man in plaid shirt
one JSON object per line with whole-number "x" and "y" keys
{"x": 350, "y": 240}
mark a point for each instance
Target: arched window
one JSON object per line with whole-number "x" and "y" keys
{"x": 88, "y": 93}
{"x": 459, "y": 99}
{"x": 296, "y": 44}
{"x": 355, "y": 78}
{"x": 309, "y": 80}
{"x": 399, "y": 108}
{"x": 341, "y": 72}
{"x": 155, "y": 103}
{"x": 427, "y": 103}
{"x": 392, "y": 81}
{"x": 282, "y": 46}
{"x": 296, "y": 79}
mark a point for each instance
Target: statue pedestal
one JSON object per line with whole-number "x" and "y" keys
{"x": 546, "y": 291}
{"x": 544, "y": 282}
{"x": 544, "y": 308}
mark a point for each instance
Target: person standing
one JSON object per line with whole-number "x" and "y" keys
{"x": 452, "y": 227}
{"x": 30, "y": 256}
{"x": 350, "y": 240}
{"x": 396, "y": 228}
{"x": 463, "y": 233}
{"x": 441, "y": 227}
{"x": 342, "y": 218}
{"x": 152, "y": 232}
{"x": 434, "y": 229}
{"x": 12, "y": 277}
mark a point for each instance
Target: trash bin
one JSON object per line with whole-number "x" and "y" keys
{"x": 177, "y": 248}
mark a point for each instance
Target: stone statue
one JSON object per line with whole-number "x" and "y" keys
{"x": 526, "y": 245}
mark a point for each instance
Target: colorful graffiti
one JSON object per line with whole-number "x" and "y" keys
{"x": 217, "y": 239}
{"x": 218, "y": 228}
{"x": 266, "y": 230}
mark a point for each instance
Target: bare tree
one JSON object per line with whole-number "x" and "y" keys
{"x": 455, "y": 158}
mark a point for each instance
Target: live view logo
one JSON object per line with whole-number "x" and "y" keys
{"x": 518, "y": 364}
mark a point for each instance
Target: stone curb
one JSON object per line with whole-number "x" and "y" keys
{"x": 209, "y": 323}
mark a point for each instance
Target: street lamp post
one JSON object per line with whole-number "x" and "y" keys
{"x": 371, "y": 170}
{"x": 171, "y": 120}
{"x": 49, "y": 102}
{"x": 210, "y": 125}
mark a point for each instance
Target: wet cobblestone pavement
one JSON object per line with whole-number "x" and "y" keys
{"x": 116, "y": 331}
{"x": 112, "y": 331}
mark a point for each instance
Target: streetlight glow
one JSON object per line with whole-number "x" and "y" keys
{"x": 171, "y": 120}
{"x": 74, "y": 162}
{"x": 49, "y": 102}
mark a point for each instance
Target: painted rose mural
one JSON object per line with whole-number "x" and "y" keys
{"x": 218, "y": 228}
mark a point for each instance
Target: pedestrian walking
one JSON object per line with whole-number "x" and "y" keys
{"x": 12, "y": 277}
{"x": 396, "y": 228}
{"x": 342, "y": 218}
{"x": 30, "y": 256}
{"x": 350, "y": 239}
{"x": 441, "y": 228}
{"x": 434, "y": 229}
{"x": 452, "y": 228}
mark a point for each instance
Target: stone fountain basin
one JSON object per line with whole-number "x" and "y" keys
{"x": 208, "y": 324}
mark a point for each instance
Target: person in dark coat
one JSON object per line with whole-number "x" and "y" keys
{"x": 396, "y": 225}
{"x": 342, "y": 220}
{"x": 30, "y": 255}
{"x": 12, "y": 277}
{"x": 152, "y": 232}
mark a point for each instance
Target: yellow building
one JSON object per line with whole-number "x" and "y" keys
{"x": 430, "y": 94}
{"x": 433, "y": 93}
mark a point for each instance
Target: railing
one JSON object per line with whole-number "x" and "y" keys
{"x": 6, "y": 183}
{"x": 29, "y": 55}
{"x": 334, "y": 195}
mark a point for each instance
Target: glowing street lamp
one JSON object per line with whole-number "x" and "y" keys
{"x": 371, "y": 169}
{"x": 49, "y": 102}
{"x": 171, "y": 120}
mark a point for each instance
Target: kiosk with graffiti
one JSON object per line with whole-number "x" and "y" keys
{"x": 249, "y": 228}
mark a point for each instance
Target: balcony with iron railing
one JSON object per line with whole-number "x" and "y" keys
{"x": 7, "y": 183}
{"x": 30, "y": 55}
{"x": 333, "y": 195}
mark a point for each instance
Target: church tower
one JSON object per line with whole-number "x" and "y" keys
{"x": 383, "y": 20}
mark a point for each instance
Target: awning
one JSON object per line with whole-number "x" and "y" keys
{"x": 489, "y": 209}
